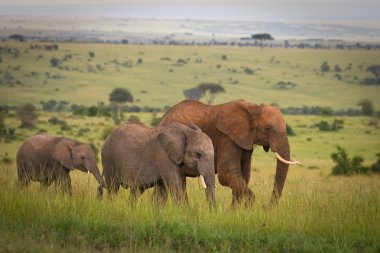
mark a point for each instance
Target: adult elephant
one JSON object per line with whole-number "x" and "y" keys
{"x": 138, "y": 157}
{"x": 49, "y": 159}
{"x": 234, "y": 128}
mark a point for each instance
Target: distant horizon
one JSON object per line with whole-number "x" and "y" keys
{"x": 305, "y": 10}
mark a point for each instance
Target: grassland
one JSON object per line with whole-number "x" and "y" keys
{"x": 317, "y": 212}
{"x": 158, "y": 82}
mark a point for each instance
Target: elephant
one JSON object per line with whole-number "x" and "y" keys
{"x": 234, "y": 128}
{"x": 49, "y": 159}
{"x": 138, "y": 157}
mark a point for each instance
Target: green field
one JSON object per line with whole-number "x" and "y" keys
{"x": 317, "y": 212}
{"x": 158, "y": 82}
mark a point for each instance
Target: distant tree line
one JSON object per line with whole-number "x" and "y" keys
{"x": 255, "y": 40}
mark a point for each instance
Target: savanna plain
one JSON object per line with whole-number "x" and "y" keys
{"x": 317, "y": 212}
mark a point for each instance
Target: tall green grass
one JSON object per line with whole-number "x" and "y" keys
{"x": 320, "y": 215}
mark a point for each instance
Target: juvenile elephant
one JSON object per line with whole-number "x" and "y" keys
{"x": 234, "y": 128}
{"x": 49, "y": 159}
{"x": 139, "y": 157}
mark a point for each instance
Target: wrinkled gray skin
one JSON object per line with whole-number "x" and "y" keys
{"x": 137, "y": 157}
{"x": 49, "y": 159}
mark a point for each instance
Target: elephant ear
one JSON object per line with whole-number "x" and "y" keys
{"x": 62, "y": 154}
{"x": 237, "y": 121}
{"x": 173, "y": 141}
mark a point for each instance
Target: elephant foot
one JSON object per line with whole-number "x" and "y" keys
{"x": 247, "y": 199}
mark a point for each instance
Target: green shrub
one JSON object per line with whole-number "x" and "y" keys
{"x": 107, "y": 131}
{"x": 133, "y": 118}
{"x": 289, "y": 130}
{"x": 345, "y": 165}
{"x": 95, "y": 149}
{"x": 6, "y": 159}
{"x": 376, "y": 166}
{"x": 92, "y": 111}
{"x": 336, "y": 125}
{"x": 155, "y": 121}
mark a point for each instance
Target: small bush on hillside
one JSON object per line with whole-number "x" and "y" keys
{"x": 28, "y": 115}
{"x": 336, "y": 125}
{"x": 107, "y": 131}
{"x": 289, "y": 130}
{"x": 325, "y": 67}
{"x": 82, "y": 131}
{"x": 6, "y": 159}
{"x": 95, "y": 149}
{"x": 346, "y": 166}
{"x": 92, "y": 111}
{"x": 133, "y": 118}
{"x": 155, "y": 120}
{"x": 376, "y": 166}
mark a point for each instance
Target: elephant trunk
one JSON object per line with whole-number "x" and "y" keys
{"x": 210, "y": 190}
{"x": 281, "y": 169}
{"x": 207, "y": 170}
{"x": 95, "y": 171}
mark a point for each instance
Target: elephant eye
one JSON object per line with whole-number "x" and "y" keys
{"x": 199, "y": 155}
{"x": 82, "y": 157}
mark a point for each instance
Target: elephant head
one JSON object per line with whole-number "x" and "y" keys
{"x": 71, "y": 154}
{"x": 193, "y": 151}
{"x": 261, "y": 125}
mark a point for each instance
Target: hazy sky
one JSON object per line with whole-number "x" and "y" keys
{"x": 200, "y": 9}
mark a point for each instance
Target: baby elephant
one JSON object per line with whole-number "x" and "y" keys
{"x": 49, "y": 159}
{"x": 139, "y": 157}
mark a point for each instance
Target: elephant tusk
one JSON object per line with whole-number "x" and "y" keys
{"x": 285, "y": 161}
{"x": 203, "y": 181}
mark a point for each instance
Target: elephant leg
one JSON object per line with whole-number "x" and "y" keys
{"x": 136, "y": 191}
{"x": 160, "y": 195}
{"x": 246, "y": 172}
{"x": 230, "y": 174}
{"x": 64, "y": 182}
{"x": 174, "y": 182}
{"x": 113, "y": 185}
{"x": 23, "y": 178}
{"x": 45, "y": 183}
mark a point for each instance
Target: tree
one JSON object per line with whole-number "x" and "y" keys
{"x": 210, "y": 90}
{"x": 55, "y": 62}
{"x": 17, "y": 37}
{"x": 325, "y": 67}
{"x": 366, "y": 107}
{"x": 120, "y": 96}
{"x": 28, "y": 115}
{"x": 91, "y": 54}
{"x": 207, "y": 90}
{"x": 262, "y": 36}
{"x": 375, "y": 70}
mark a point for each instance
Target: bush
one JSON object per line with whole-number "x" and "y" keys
{"x": 325, "y": 126}
{"x": 55, "y": 62}
{"x": 345, "y": 165}
{"x": 376, "y": 166}
{"x": 95, "y": 149}
{"x": 155, "y": 121}
{"x": 28, "y": 115}
{"x": 54, "y": 121}
{"x": 6, "y": 159}
{"x": 289, "y": 130}
{"x": 82, "y": 131}
{"x": 65, "y": 126}
{"x": 107, "y": 131}
{"x": 133, "y": 118}
{"x": 92, "y": 111}
{"x": 325, "y": 67}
